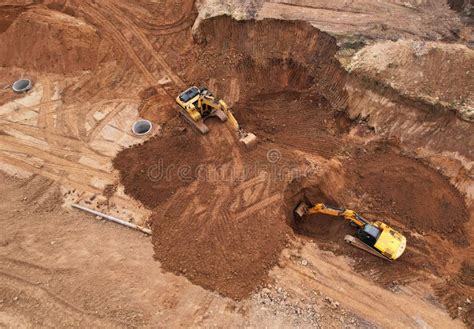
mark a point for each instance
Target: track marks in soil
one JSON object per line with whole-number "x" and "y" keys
{"x": 37, "y": 298}
{"x": 136, "y": 45}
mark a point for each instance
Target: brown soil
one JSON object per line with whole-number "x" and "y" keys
{"x": 294, "y": 54}
{"x": 8, "y": 14}
{"x": 218, "y": 251}
{"x": 72, "y": 45}
{"x": 46, "y": 256}
{"x": 281, "y": 78}
{"x": 157, "y": 169}
{"x": 302, "y": 121}
{"x": 403, "y": 188}
{"x": 199, "y": 227}
{"x": 186, "y": 240}
{"x": 383, "y": 184}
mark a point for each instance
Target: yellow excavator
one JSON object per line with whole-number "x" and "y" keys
{"x": 198, "y": 104}
{"x": 376, "y": 238}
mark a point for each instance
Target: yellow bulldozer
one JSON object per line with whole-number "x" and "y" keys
{"x": 198, "y": 104}
{"x": 376, "y": 238}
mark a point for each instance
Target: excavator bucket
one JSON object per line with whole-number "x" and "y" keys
{"x": 248, "y": 140}
{"x": 300, "y": 210}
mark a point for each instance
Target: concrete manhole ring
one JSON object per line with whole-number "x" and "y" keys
{"x": 142, "y": 127}
{"x": 22, "y": 86}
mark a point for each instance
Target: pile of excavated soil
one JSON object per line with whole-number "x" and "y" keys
{"x": 213, "y": 246}
{"x": 157, "y": 169}
{"x": 224, "y": 234}
{"x": 416, "y": 195}
{"x": 49, "y": 41}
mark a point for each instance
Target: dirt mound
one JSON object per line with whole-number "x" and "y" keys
{"x": 157, "y": 169}
{"x": 218, "y": 249}
{"x": 406, "y": 189}
{"x": 50, "y": 41}
{"x": 8, "y": 14}
{"x": 224, "y": 234}
{"x": 435, "y": 73}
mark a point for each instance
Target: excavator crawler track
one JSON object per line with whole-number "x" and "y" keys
{"x": 359, "y": 244}
{"x": 198, "y": 125}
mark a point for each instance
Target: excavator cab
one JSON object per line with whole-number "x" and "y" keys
{"x": 189, "y": 94}
{"x": 368, "y": 234}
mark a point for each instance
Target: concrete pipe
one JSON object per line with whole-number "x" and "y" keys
{"x": 22, "y": 86}
{"x": 141, "y": 127}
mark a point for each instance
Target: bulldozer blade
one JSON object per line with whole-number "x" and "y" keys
{"x": 300, "y": 210}
{"x": 248, "y": 140}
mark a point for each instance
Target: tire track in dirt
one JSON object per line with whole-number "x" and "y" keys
{"x": 52, "y": 155}
{"x": 47, "y": 297}
{"x": 96, "y": 130}
{"x": 12, "y": 262}
{"x": 45, "y": 115}
{"x": 145, "y": 43}
{"x": 75, "y": 146}
{"x": 117, "y": 36}
{"x": 182, "y": 23}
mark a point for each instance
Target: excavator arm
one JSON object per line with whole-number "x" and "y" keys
{"x": 376, "y": 238}
{"x": 320, "y": 208}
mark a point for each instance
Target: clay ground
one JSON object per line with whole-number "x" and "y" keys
{"x": 386, "y": 130}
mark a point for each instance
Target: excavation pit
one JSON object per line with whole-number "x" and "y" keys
{"x": 142, "y": 127}
{"x": 22, "y": 86}
{"x": 299, "y": 113}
